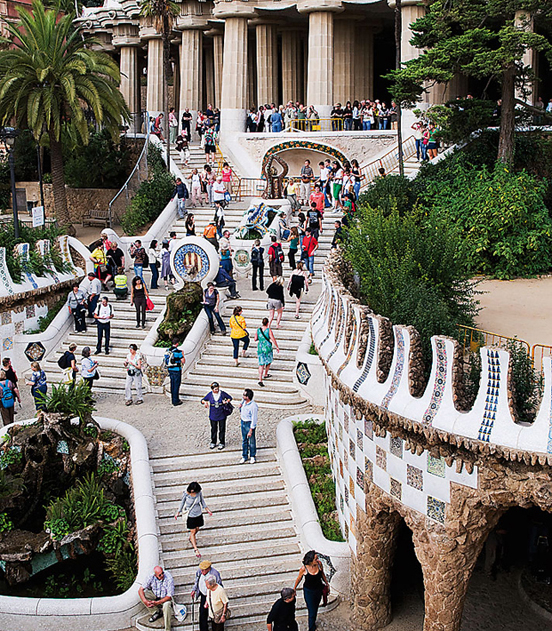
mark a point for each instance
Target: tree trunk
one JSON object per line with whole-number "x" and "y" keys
{"x": 61, "y": 208}
{"x": 507, "y": 117}
{"x": 398, "y": 41}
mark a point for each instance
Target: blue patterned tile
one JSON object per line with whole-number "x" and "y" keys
{"x": 436, "y": 509}
{"x": 414, "y": 477}
{"x": 436, "y": 466}
{"x": 396, "y": 446}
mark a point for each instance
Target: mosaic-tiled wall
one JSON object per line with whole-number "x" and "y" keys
{"x": 19, "y": 320}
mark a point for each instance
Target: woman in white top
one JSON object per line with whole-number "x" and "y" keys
{"x": 196, "y": 188}
{"x": 89, "y": 368}
{"x": 133, "y": 365}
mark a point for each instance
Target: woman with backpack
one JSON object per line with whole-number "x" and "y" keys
{"x": 68, "y": 364}
{"x": 133, "y": 365}
{"x": 8, "y": 396}
{"x": 257, "y": 262}
{"x": 298, "y": 283}
{"x": 266, "y": 342}
{"x": 39, "y": 386}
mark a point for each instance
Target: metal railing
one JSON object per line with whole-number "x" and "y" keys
{"x": 538, "y": 352}
{"x": 472, "y": 339}
{"x": 135, "y": 171}
{"x": 389, "y": 162}
{"x": 327, "y": 125}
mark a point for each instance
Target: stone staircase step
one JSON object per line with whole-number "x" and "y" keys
{"x": 255, "y": 501}
{"x": 264, "y": 397}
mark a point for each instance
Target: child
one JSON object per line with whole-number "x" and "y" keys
{"x": 121, "y": 284}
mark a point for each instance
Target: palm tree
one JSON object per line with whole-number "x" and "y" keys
{"x": 47, "y": 77}
{"x": 162, "y": 14}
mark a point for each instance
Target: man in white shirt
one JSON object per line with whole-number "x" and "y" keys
{"x": 172, "y": 241}
{"x": 93, "y": 293}
{"x": 200, "y": 589}
{"x": 218, "y": 190}
{"x": 249, "y": 412}
{"x": 103, "y": 316}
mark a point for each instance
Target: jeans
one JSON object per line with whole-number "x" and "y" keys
{"x": 221, "y": 427}
{"x": 103, "y": 327}
{"x": 175, "y": 375}
{"x": 249, "y": 444}
{"x": 236, "y": 343}
{"x": 348, "y": 124}
{"x": 309, "y": 262}
{"x": 366, "y": 125}
{"x": 418, "y": 148}
{"x": 140, "y": 306}
{"x": 312, "y": 598}
{"x": 181, "y": 207}
{"x": 154, "y": 276}
{"x": 231, "y": 284}
{"x": 356, "y": 189}
{"x": 291, "y": 258}
{"x": 258, "y": 270}
{"x": 139, "y": 271}
{"x": 38, "y": 393}
{"x": 210, "y": 311}
{"x": 92, "y": 304}
{"x": 137, "y": 380}
{"x": 424, "y": 151}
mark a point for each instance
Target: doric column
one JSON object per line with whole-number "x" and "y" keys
{"x": 267, "y": 63}
{"x": 218, "y": 48}
{"x": 209, "y": 74}
{"x": 191, "y": 70}
{"x": 234, "y": 78}
{"x": 364, "y": 62}
{"x": 125, "y": 36}
{"x": 251, "y": 90}
{"x": 344, "y": 61}
{"x": 321, "y": 52}
{"x": 291, "y": 65}
{"x": 154, "y": 92}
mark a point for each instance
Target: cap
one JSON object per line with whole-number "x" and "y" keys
{"x": 205, "y": 565}
{"x": 91, "y": 274}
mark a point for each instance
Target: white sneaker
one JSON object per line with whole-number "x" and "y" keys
{"x": 252, "y": 461}
{"x": 243, "y": 461}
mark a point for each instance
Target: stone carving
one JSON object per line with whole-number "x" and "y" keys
{"x": 274, "y": 177}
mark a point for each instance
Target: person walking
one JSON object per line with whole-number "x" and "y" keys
{"x": 76, "y": 303}
{"x": 39, "y": 386}
{"x": 314, "y": 585}
{"x": 138, "y": 297}
{"x": 103, "y": 316}
{"x": 9, "y": 394}
{"x": 173, "y": 126}
{"x": 157, "y": 593}
{"x": 225, "y": 250}
{"x": 227, "y": 177}
{"x": 154, "y": 264}
{"x": 204, "y": 572}
{"x": 298, "y": 283}
{"x": 89, "y": 368}
{"x": 291, "y": 195}
{"x": 218, "y": 403}
{"x": 338, "y": 234}
{"x": 257, "y": 263}
{"x": 293, "y": 246}
{"x": 138, "y": 253}
{"x": 190, "y": 225}
{"x": 133, "y": 365}
{"x": 282, "y": 614}
{"x": 181, "y": 194}
{"x": 196, "y": 188}
{"x": 191, "y": 508}
{"x": 217, "y": 603}
{"x": 276, "y": 300}
{"x": 249, "y": 413}
{"x": 266, "y": 342}
{"x": 94, "y": 291}
{"x": 10, "y": 371}
{"x": 307, "y": 176}
{"x": 308, "y": 248}
{"x": 183, "y": 148}
{"x": 68, "y": 364}
{"x": 238, "y": 332}
{"x": 275, "y": 258}
{"x": 174, "y": 361}
{"x": 211, "y": 303}
{"x": 166, "y": 272}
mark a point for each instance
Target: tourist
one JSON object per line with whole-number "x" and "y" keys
{"x": 94, "y": 290}
{"x": 121, "y": 284}
{"x": 432, "y": 141}
{"x": 191, "y": 507}
{"x": 39, "y": 386}
{"x": 196, "y": 188}
{"x": 166, "y": 272}
{"x": 181, "y": 194}
{"x": 76, "y": 303}
{"x": 301, "y": 222}
{"x": 249, "y": 412}
{"x": 257, "y": 263}
{"x": 9, "y": 370}
{"x": 173, "y": 126}
{"x": 276, "y": 121}
{"x": 418, "y": 136}
{"x": 68, "y": 364}
{"x": 205, "y": 179}
{"x": 348, "y": 116}
{"x": 314, "y": 586}
{"x": 357, "y": 177}
{"x": 211, "y": 302}
{"x": 307, "y": 176}
{"x": 158, "y": 127}
{"x": 210, "y": 146}
{"x": 190, "y": 225}
{"x": 282, "y": 614}
{"x": 205, "y": 571}
{"x": 219, "y": 191}
{"x": 260, "y": 119}
{"x": 275, "y": 258}
{"x": 308, "y": 248}
{"x": 99, "y": 259}
{"x": 183, "y": 147}
{"x": 337, "y": 183}
{"x": 251, "y": 122}
{"x": 115, "y": 258}
{"x": 139, "y": 297}
{"x": 210, "y": 233}
{"x": 291, "y": 195}
{"x": 174, "y": 361}
{"x": 89, "y": 368}
{"x": 186, "y": 120}
{"x": 157, "y": 593}
{"x": 298, "y": 283}
{"x": 227, "y": 177}
{"x": 9, "y": 394}
{"x": 425, "y": 142}
{"x": 265, "y": 342}
{"x": 217, "y": 603}
{"x": 338, "y": 234}
{"x": 226, "y": 252}
{"x": 293, "y": 246}
{"x": 219, "y": 217}
{"x": 223, "y": 279}
{"x": 154, "y": 264}
{"x": 211, "y": 179}
{"x": 138, "y": 253}
{"x": 238, "y": 333}
{"x": 133, "y": 365}
{"x": 173, "y": 240}
{"x": 276, "y": 300}
{"x": 217, "y": 402}
{"x": 103, "y": 316}
{"x": 314, "y": 221}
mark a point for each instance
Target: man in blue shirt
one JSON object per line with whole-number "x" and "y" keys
{"x": 181, "y": 194}
{"x": 174, "y": 360}
{"x": 224, "y": 279}
{"x": 249, "y": 412}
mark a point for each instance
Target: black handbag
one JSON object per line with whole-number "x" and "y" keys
{"x": 227, "y": 408}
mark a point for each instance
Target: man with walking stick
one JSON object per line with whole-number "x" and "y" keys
{"x": 200, "y": 589}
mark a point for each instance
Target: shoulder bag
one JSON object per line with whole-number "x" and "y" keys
{"x": 217, "y": 615}
{"x": 186, "y": 511}
{"x": 241, "y": 327}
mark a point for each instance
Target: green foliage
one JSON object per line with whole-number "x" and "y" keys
{"x": 10, "y": 457}
{"x": 70, "y": 400}
{"x": 107, "y": 467}
{"x": 90, "y": 430}
{"x": 5, "y": 523}
{"x": 151, "y": 197}
{"x": 70, "y": 586}
{"x": 312, "y": 349}
{"x": 25, "y": 157}
{"x": 115, "y": 538}
{"x": 99, "y": 164}
{"x": 389, "y": 193}
{"x": 528, "y": 383}
{"x": 122, "y": 568}
{"x": 45, "y": 321}
{"x": 57, "y": 528}
{"x": 10, "y": 484}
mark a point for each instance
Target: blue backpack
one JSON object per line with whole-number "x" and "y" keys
{"x": 8, "y": 400}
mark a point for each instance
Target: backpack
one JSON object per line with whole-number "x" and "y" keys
{"x": 171, "y": 361}
{"x": 278, "y": 252}
{"x": 146, "y": 259}
{"x": 63, "y": 361}
{"x": 8, "y": 400}
{"x": 255, "y": 255}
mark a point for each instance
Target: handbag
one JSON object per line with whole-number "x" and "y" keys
{"x": 218, "y": 615}
{"x": 227, "y": 408}
{"x": 186, "y": 512}
{"x": 180, "y": 611}
{"x": 149, "y": 304}
{"x": 325, "y": 594}
{"x": 96, "y": 375}
{"x": 227, "y": 197}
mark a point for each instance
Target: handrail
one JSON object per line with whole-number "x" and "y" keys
{"x": 538, "y": 352}
{"x": 389, "y": 161}
{"x": 136, "y": 168}
{"x": 474, "y": 339}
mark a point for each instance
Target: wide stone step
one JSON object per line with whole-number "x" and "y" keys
{"x": 244, "y": 372}
{"x": 235, "y": 382}
{"x": 230, "y": 472}
{"x": 219, "y": 352}
{"x": 180, "y": 462}
{"x": 224, "y": 341}
{"x": 255, "y": 501}
{"x": 279, "y": 365}
{"x": 263, "y": 396}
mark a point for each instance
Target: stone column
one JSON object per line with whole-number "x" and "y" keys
{"x": 209, "y": 74}
{"x": 218, "y": 47}
{"x": 251, "y": 91}
{"x": 345, "y": 61}
{"x": 267, "y": 63}
{"x": 291, "y": 65}
{"x": 364, "y": 62}
{"x": 126, "y": 37}
{"x": 154, "y": 92}
{"x": 191, "y": 70}
{"x": 234, "y": 79}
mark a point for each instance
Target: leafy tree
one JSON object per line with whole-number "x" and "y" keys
{"x": 485, "y": 39}
{"x": 47, "y": 77}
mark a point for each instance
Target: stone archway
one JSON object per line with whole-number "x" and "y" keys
{"x": 294, "y": 152}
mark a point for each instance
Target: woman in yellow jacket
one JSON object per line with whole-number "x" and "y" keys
{"x": 238, "y": 331}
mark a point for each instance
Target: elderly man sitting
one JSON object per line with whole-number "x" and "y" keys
{"x": 157, "y": 593}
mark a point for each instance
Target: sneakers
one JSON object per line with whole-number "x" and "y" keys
{"x": 129, "y": 402}
{"x": 261, "y": 384}
{"x": 221, "y": 446}
{"x": 158, "y": 614}
{"x": 252, "y": 461}
{"x": 243, "y": 461}
{"x": 212, "y": 446}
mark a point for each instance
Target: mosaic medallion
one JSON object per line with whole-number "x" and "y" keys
{"x": 241, "y": 258}
{"x": 303, "y": 373}
{"x": 191, "y": 263}
{"x": 35, "y": 351}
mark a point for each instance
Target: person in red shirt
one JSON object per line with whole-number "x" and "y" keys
{"x": 317, "y": 197}
{"x": 308, "y": 248}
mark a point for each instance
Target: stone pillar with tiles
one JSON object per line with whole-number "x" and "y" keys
{"x": 125, "y": 37}
{"x": 267, "y": 62}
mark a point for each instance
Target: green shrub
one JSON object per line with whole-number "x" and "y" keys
{"x": 390, "y": 193}
{"x": 5, "y": 523}
{"x": 123, "y": 569}
{"x": 71, "y": 400}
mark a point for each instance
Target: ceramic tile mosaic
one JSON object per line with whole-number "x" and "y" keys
{"x": 395, "y": 488}
{"x": 7, "y": 344}
{"x": 368, "y": 470}
{"x": 6, "y": 317}
{"x": 360, "y": 439}
{"x": 346, "y": 460}
{"x": 346, "y": 531}
{"x": 396, "y": 446}
{"x": 369, "y": 357}
{"x": 341, "y": 468}
{"x": 346, "y": 420}
{"x": 352, "y": 345}
{"x": 436, "y": 509}
{"x": 346, "y": 489}
{"x": 4, "y": 276}
{"x": 399, "y": 366}
{"x": 19, "y": 327}
{"x": 352, "y": 448}
{"x": 439, "y": 385}
{"x": 341, "y": 503}
{"x": 30, "y": 311}
{"x": 62, "y": 447}
{"x": 436, "y": 466}
{"x": 340, "y": 330}
{"x": 369, "y": 429}
{"x": 491, "y": 402}
{"x": 381, "y": 458}
{"x": 414, "y": 477}
{"x": 360, "y": 478}
{"x": 352, "y": 487}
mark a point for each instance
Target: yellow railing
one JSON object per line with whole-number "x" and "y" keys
{"x": 472, "y": 339}
{"x": 315, "y": 124}
{"x": 538, "y": 352}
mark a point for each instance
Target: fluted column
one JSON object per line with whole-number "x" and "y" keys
{"x": 218, "y": 47}
{"x": 321, "y": 61}
{"x": 191, "y": 70}
{"x": 364, "y": 63}
{"x": 154, "y": 91}
{"x": 130, "y": 85}
{"x": 267, "y": 63}
{"x": 234, "y": 78}
{"x": 291, "y": 65}
{"x": 209, "y": 75}
{"x": 344, "y": 61}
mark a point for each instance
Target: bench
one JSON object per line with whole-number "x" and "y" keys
{"x": 96, "y": 216}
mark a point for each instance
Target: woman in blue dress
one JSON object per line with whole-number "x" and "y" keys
{"x": 266, "y": 342}
{"x": 38, "y": 385}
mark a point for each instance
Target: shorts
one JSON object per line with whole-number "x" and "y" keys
{"x": 194, "y": 522}
{"x": 210, "y": 148}
{"x": 274, "y": 304}
{"x": 432, "y": 145}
